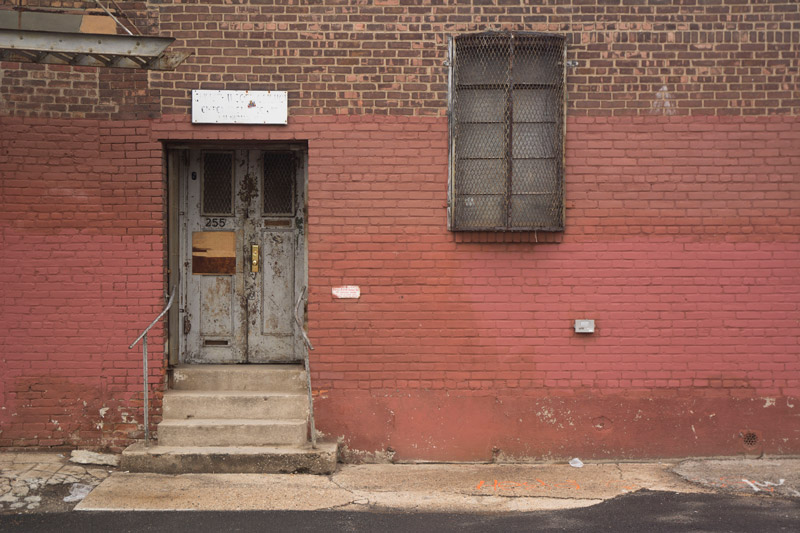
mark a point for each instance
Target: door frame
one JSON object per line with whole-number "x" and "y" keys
{"x": 177, "y": 162}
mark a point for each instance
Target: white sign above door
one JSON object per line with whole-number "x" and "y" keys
{"x": 240, "y": 107}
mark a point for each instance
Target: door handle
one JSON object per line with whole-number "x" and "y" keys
{"x": 253, "y": 258}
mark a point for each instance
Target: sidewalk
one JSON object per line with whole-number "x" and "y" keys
{"x": 39, "y": 481}
{"x": 480, "y": 488}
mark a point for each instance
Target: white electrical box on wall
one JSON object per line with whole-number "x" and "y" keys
{"x": 584, "y": 325}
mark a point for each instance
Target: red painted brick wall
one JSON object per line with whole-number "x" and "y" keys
{"x": 681, "y": 243}
{"x": 681, "y": 231}
{"x": 689, "y": 268}
{"x": 81, "y": 266}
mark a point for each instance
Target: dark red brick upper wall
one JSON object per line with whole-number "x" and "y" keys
{"x": 683, "y": 57}
{"x": 51, "y": 4}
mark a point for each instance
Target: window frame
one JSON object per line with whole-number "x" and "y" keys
{"x": 549, "y": 40}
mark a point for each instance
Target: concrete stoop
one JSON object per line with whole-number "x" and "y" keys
{"x": 233, "y": 419}
{"x": 230, "y": 459}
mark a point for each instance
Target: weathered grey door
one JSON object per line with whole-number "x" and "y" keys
{"x": 242, "y": 255}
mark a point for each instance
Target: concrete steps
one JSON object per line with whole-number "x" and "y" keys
{"x": 231, "y": 459}
{"x": 220, "y": 404}
{"x": 272, "y": 378}
{"x": 233, "y": 418}
{"x": 231, "y": 432}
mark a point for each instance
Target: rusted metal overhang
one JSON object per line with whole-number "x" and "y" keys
{"x": 89, "y": 49}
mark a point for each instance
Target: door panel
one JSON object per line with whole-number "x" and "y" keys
{"x": 271, "y": 330}
{"x": 236, "y": 310}
{"x": 216, "y": 309}
{"x": 212, "y": 273}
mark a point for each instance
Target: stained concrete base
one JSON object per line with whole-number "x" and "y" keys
{"x": 435, "y": 488}
{"x": 230, "y": 460}
{"x": 775, "y": 476}
{"x": 39, "y": 482}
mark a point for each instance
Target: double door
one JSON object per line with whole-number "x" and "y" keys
{"x": 242, "y": 255}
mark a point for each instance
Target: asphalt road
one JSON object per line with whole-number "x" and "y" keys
{"x": 643, "y": 511}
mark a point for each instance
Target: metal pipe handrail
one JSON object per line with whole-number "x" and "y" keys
{"x": 308, "y": 344}
{"x": 153, "y": 323}
{"x": 143, "y": 338}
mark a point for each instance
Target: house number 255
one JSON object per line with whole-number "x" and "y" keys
{"x": 215, "y": 222}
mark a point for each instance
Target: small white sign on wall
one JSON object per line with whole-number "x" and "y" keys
{"x": 347, "y": 292}
{"x": 240, "y": 107}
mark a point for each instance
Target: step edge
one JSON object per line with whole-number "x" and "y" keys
{"x": 232, "y": 393}
{"x": 140, "y": 448}
{"x": 231, "y": 421}
{"x": 266, "y": 368}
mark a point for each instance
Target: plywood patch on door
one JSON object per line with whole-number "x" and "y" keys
{"x": 214, "y": 253}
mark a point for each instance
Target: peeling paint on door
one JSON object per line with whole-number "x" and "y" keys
{"x": 242, "y": 313}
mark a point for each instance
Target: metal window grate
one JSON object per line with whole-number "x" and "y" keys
{"x": 218, "y": 183}
{"x": 507, "y": 132}
{"x": 279, "y": 180}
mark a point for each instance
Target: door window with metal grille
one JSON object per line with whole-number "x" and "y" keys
{"x": 507, "y": 132}
{"x": 217, "y": 183}
{"x": 279, "y": 179}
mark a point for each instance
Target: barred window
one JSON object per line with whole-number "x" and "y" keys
{"x": 507, "y": 132}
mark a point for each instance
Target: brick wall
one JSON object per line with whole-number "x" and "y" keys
{"x": 680, "y": 241}
{"x": 681, "y": 231}
{"x": 81, "y": 266}
{"x": 716, "y": 57}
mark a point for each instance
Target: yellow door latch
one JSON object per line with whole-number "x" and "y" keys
{"x": 254, "y": 258}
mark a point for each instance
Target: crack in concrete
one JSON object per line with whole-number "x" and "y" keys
{"x": 330, "y": 478}
{"x": 339, "y": 506}
{"x": 54, "y": 474}
{"x": 352, "y": 502}
{"x": 23, "y": 484}
{"x": 522, "y": 497}
{"x": 373, "y": 504}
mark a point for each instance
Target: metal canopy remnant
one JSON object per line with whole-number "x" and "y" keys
{"x": 90, "y": 50}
